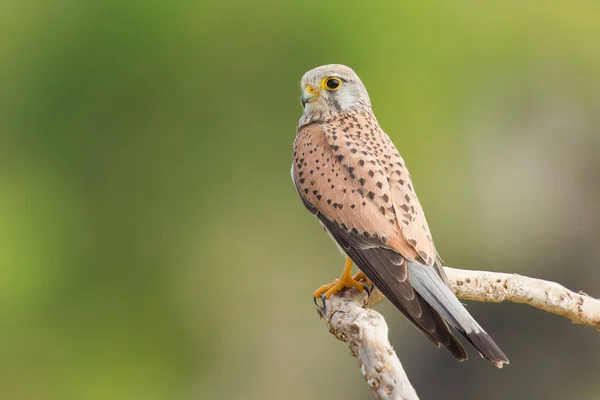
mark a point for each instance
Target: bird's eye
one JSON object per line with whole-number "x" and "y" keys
{"x": 331, "y": 83}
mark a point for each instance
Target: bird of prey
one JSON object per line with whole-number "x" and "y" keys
{"x": 350, "y": 175}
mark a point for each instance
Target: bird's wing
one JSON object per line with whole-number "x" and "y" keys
{"x": 410, "y": 215}
{"x": 409, "y": 212}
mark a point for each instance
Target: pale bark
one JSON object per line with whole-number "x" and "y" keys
{"x": 367, "y": 333}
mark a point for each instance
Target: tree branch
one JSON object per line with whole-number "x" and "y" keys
{"x": 366, "y": 331}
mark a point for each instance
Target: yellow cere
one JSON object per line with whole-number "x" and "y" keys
{"x": 310, "y": 89}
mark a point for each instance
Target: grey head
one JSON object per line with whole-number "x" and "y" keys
{"x": 331, "y": 90}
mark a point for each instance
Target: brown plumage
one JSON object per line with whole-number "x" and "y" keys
{"x": 351, "y": 176}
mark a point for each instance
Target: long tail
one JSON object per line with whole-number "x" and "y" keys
{"x": 426, "y": 282}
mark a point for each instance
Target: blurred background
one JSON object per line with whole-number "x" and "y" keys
{"x": 152, "y": 245}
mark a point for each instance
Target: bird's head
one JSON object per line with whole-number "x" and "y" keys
{"x": 332, "y": 89}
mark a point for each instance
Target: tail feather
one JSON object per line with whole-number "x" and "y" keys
{"x": 432, "y": 288}
{"x": 486, "y": 347}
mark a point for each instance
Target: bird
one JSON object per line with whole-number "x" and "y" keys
{"x": 350, "y": 175}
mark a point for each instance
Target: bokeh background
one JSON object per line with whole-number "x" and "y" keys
{"x": 152, "y": 245}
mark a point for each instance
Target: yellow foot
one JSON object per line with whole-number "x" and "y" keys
{"x": 345, "y": 281}
{"x": 361, "y": 277}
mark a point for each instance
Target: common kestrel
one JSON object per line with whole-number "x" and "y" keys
{"x": 350, "y": 175}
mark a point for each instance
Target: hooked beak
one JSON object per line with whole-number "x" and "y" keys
{"x": 309, "y": 94}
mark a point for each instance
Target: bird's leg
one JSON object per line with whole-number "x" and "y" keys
{"x": 345, "y": 281}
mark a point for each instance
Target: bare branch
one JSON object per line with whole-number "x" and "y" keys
{"x": 495, "y": 287}
{"x": 367, "y": 333}
{"x": 366, "y": 330}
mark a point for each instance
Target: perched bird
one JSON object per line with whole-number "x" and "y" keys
{"x": 350, "y": 175}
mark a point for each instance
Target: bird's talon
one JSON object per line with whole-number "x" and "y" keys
{"x": 345, "y": 281}
{"x": 362, "y": 277}
{"x": 321, "y": 309}
{"x": 324, "y": 289}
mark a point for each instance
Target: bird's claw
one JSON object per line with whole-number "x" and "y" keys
{"x": 321, "y": 309}
{"x": 322, "y": 298}
{"x": 346, "y": 280}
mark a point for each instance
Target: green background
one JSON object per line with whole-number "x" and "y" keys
{"x": 152, "y": 245}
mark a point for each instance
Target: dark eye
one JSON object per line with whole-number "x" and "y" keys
{"x": 332, "y": 83}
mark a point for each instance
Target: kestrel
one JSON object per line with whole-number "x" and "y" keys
{"x": 350, "y": 175}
